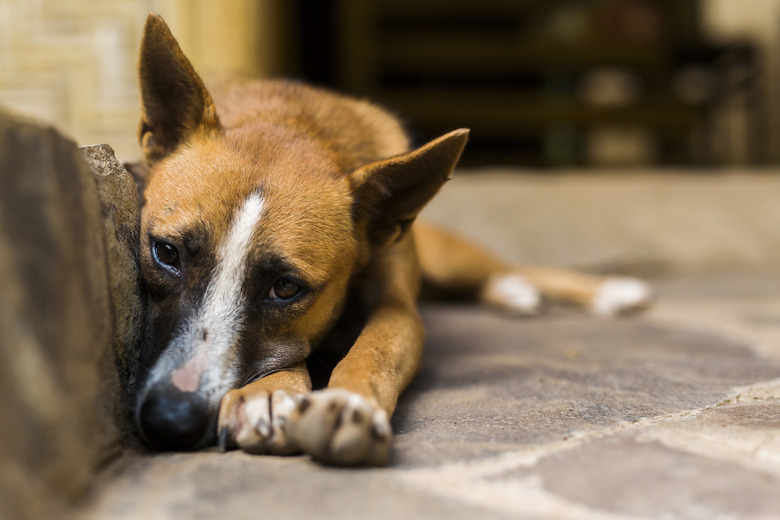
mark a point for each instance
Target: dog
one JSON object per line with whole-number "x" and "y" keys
{"x": 279, "y": 241}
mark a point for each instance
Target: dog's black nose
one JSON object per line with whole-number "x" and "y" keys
{"x": 173, "y": 420}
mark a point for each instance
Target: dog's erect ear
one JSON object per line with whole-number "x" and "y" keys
{"x": 174, "y": 101}
{"x": 390, "y": 193}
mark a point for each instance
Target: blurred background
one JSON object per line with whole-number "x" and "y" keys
{"x": 541, "y": 83}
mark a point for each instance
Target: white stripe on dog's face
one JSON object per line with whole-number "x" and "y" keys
{"x": 223, "y": 303}
{"x": 195, "y": 358}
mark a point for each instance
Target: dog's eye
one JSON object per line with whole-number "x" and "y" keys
{"x": 283, "y": 289}
{"x": 167, "y": 255}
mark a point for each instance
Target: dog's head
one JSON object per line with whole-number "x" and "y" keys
{"x": 250, "y": 237}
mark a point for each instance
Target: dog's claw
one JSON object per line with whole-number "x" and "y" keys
{"x": 222, "y": 439}
{"x": 253, "y": 421}
{"x": 339, "y": 427}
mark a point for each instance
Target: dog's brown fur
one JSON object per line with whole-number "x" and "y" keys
{"x": 329, "y": 190}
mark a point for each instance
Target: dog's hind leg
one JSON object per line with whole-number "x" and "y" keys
{"x": 453, "y": 267}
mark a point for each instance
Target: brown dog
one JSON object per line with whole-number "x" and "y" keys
{"x": 277, "y": 220}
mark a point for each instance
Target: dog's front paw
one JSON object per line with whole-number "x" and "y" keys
{"x": 254, "y": 421}
{"x": 339, "y": 427}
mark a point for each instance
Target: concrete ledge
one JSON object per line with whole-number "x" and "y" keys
{"x": 69, "y": 281}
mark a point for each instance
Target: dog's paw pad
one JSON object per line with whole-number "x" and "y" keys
{"x": 340, "y": 427}
{"x": 512, "y": 293}
{"x": 255, "y": 422}
{"x": 621, "y": 296}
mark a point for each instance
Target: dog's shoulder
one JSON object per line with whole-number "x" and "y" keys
{"x": 358, "y": 132}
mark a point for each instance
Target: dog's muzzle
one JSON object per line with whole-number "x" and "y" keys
{"x": 170, "y": 419}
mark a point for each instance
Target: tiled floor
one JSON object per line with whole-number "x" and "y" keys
{"x": 675, "y": 414}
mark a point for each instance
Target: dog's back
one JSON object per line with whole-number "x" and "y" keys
{"x": 357, "y": 132}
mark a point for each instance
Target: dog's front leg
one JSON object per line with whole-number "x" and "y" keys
{"x": 252, "y": 417}
{"x": 348, "y": 422}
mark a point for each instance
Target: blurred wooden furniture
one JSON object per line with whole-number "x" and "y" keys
{"x": 531, "y": 78}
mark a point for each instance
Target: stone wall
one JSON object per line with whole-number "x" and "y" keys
{"x": 70, "y": 292}
{"x": 121, "y": 219}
